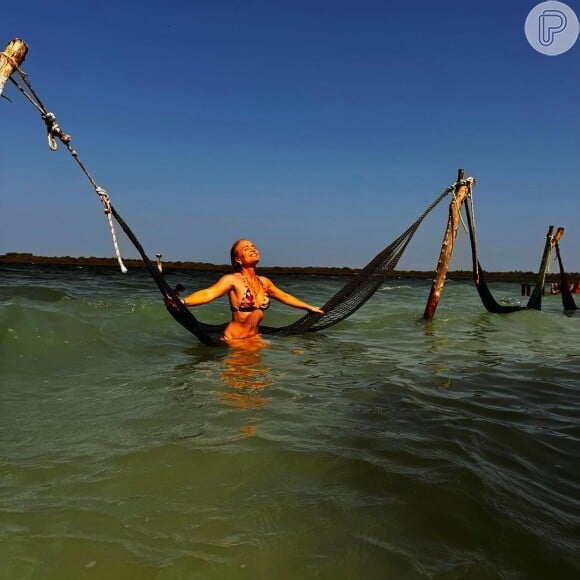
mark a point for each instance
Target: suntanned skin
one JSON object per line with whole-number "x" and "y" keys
{"x": 245, "y": 325}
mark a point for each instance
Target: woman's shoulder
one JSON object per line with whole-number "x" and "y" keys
{"x": 266, "y": 282}
{"x": 231, "y": 279}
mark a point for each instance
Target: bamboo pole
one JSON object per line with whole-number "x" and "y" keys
{"x": 535, "y": 301}
{"x": 12, "y": 57}
{"x": 462, "y": 190}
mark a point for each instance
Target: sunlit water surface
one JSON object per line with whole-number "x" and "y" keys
{"x": 384, "y": 447}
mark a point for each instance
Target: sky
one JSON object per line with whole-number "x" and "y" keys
{"x": 319, "y": 129}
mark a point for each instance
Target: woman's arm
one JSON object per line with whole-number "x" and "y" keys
{"x": 286, "y": 298}
{"x": 221, "y": 287}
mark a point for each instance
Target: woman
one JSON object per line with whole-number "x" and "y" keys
{"x": 248, "y": 293}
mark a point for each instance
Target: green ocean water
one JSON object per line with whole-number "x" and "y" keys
{"x": 384, "y": 447}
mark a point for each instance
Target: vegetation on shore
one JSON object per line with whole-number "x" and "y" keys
{"x": 27, "y": 258}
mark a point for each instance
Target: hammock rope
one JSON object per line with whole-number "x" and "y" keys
{"x": 104, "y": 196}
{"x": 344, "y": 303}
{"x": 55, "y": 132}
{"x": 567, "y": 299}
{"x": 487, "y": 299}
{"x": 364, "y": 284}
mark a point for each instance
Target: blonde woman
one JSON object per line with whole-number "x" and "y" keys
{"x": 248, "y": 293}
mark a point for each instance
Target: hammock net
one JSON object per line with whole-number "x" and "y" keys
{"x": 535, "y": 300}
{"x": 344, "y": 303}
{"x": 487, "y": 299}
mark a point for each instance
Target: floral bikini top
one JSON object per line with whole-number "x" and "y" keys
{"x": 248, "y": 302}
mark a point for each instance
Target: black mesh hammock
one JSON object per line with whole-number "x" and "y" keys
{"x": 535, "y": 300}
{"x": 346, "y": 301}
{"x": 487, "y": 299}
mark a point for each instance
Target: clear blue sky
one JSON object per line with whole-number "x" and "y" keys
{"x": 318, "y": 129}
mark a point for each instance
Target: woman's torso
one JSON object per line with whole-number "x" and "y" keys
{"x": 248, "y": 300}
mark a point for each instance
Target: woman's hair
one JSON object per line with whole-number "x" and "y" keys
{"x": 234, "y": 254}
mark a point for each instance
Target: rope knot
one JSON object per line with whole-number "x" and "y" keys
{"x": 53, "y": 131}
{"x": 104, "y": 197}
{"x": 105, "y": 200}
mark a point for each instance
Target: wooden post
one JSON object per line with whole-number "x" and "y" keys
{"x": 535, "y": 301}
{"x": 12, "y": 57}
{"x": 565, "y": 290}
{"x": 462, "y": 189}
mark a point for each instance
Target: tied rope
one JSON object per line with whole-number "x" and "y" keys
{"x": 104, "y": 197}
{"x": 55, "y": 132}
{"x": 469, "y": 182}
{"x": 552, "y": 239}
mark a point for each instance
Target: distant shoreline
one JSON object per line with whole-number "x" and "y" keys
{"x": 27, "y": 258}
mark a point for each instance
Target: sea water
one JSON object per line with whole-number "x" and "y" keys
{"x": 384, "y": 447}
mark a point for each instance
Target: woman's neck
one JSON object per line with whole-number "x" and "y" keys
{"x": 249, "y": 272}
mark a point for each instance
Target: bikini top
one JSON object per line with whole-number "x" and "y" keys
{"x": 248, "y": 302}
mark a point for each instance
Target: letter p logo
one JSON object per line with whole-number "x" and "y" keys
{"x": 552, "y": 28}
{"x": 551, "y": 22}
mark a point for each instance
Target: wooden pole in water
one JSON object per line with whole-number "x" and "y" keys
{"x": 12, "y": 57}
{"x": 565, "y": 291}
{"x": 462, "y": 190}
{"x": 535, "y": 301}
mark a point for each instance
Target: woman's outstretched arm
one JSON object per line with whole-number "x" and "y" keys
{"x": 221, "y": 287}
{"x": 286, "y": 298}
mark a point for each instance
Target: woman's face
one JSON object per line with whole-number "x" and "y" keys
{"x": 247, "y": 253}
